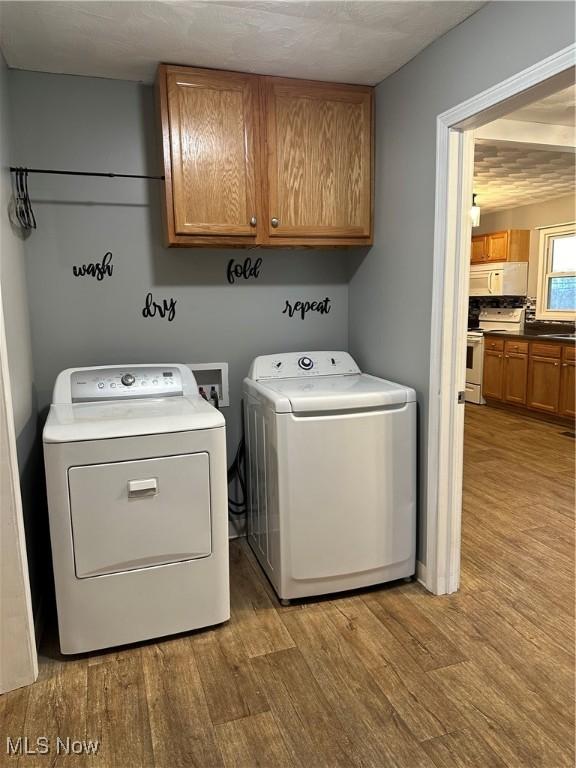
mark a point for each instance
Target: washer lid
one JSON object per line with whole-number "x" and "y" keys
{"x": 99, "y": 421}
{"x": 335, "y": 393}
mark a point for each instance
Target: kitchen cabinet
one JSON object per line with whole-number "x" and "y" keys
{"x": 539, "y": 376}
{"x": 543, "y": 384}
{"x": 567, "y": 406}
{"x": 515, "y": 372}
{"x": 479, "y": 249}
{"x": 253, "y": 160}
{"x": 493, "y": 374}
{"x": 508, "y": 245}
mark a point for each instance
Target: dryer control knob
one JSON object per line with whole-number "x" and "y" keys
{"x": 127, "y": 379}
{"x": 305, "y": 363}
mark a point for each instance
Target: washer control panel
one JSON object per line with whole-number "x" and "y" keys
{"x": 89, "y": 385}
{"x": 302, "y": 364}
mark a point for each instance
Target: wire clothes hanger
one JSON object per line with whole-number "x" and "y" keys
{"x": 23, "y": 206}
{"x": 24, "y": 212}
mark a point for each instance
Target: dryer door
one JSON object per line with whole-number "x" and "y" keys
{"x": 136, "y": 514}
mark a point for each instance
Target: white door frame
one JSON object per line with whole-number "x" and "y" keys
{"x": 452, "y": 232}
{"x": 18, "y": 658}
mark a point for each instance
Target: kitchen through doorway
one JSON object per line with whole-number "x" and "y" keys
{"x": 486, "y": 117}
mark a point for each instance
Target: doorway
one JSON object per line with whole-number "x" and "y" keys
{"x": 452, "y": 245}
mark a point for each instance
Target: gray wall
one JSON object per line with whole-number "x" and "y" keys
{"x": 545, "y": 214}
{"x": 94, "y": 124}
{"x": 391, "y": 289}
{"x": 19, "y": 349}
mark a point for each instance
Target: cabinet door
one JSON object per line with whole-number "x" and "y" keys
{"x": 543, "y": 384}
{"x": 478, "y": 252}
{"x": 497, "y": 246}
{"x": 568, "y": 383}
{"x": 515, "y": 378}
{"x": 319, "y": 159}
{"x": 493, "y": 375}
{"x": 212, "y": 141}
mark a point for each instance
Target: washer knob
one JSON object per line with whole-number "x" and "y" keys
{"x": 305, "y": 363}
{"x": 127, "y": 379}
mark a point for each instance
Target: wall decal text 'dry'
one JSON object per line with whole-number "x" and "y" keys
{"x": 245, "y": 271}
{"x": 167, "y": 309}
{"x": 99, "y": 270}
{"x": 302, "y": 308}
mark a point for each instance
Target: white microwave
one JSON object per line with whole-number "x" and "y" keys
{"x": 499, "y": 279}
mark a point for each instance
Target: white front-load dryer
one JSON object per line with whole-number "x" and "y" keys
{"x": 331, "y": 469}
{"x": 137, "y": 496}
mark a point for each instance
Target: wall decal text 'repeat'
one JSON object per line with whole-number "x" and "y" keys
{"x": 99, "y": 270}
{"x": 302, "y": 308}
{"x": 166, "y": 309}
{"x": 245, "y": 271}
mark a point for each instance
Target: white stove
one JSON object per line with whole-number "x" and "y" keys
{"x": 503, "y": 320}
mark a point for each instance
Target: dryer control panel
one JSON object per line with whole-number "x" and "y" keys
{"x": 115, "y": 383}
{"x": 292, "y": 365}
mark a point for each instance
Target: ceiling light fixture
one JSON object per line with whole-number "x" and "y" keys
{"x": 475, "y": 212}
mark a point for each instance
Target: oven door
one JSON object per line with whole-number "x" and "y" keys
{"x": 474, "y": 359}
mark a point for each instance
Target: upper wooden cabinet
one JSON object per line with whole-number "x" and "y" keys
{"x": 253, "y": 160}
{"x": 508, "y": 245}
{"x": 318, "y": 159}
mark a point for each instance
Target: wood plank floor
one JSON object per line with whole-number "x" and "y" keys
{"x": 385, "y": 677}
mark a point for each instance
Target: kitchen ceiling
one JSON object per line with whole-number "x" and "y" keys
{"x": 507, "y": 177}
{"x": 557, "y": 109}
{"x": 358, "y": 41}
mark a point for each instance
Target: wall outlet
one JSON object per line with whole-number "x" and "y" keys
{"x": 210, "y": 375}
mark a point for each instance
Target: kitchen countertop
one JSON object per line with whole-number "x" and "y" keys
{"x": 529, "y": 335}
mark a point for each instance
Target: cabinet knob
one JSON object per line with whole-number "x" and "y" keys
{"x": 555, "y": 363}
{"x": 275, "y": 222}
{"x": 253, "y": 221}
{"x": 507, "y": 355}
{"x": 564, "y": 365}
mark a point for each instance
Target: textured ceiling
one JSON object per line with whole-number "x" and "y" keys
{"x": 359, "y": 41}
{"x": 557, "y": 109}
{"x": 506, "y": 177}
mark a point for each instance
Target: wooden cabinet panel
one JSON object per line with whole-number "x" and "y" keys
{"x": 478, "y": 253}
{"x": 567, "y": 405}
{"x": 493, "y": 343}
{"x": 541, "y": 349}
{"x": 210, "y": 160}
{"x": 515, "y": 377}
{"x": 497, "y": 246}
{"x": 319, "y": 159}
{"x": 509, "y": 245}
{"x": 493, "y": 375}
{"x": 519, "y": 347}
{"x": 543, "y": 383}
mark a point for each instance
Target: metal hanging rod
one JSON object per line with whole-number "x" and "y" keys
{"x": 86, "y": 173}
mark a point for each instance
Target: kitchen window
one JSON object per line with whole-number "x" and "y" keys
{"x": 556, "y": 297}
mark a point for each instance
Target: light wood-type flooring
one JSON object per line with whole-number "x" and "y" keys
{"x": 390, "y": 676}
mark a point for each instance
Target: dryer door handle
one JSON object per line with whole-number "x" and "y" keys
{"x": 139, "y": 488}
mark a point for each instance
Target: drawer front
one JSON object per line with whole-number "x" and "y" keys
{"x": 136, "y": 514}
{"x": 494, "y": 344}
{"x": 545, "y": 350}
{"x": 517, "y": 347}
{"x": 569, "y": 353}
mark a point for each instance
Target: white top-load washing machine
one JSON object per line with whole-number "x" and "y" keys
{"x": 137, "y": 496}
{"x": 331, "y": 457}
